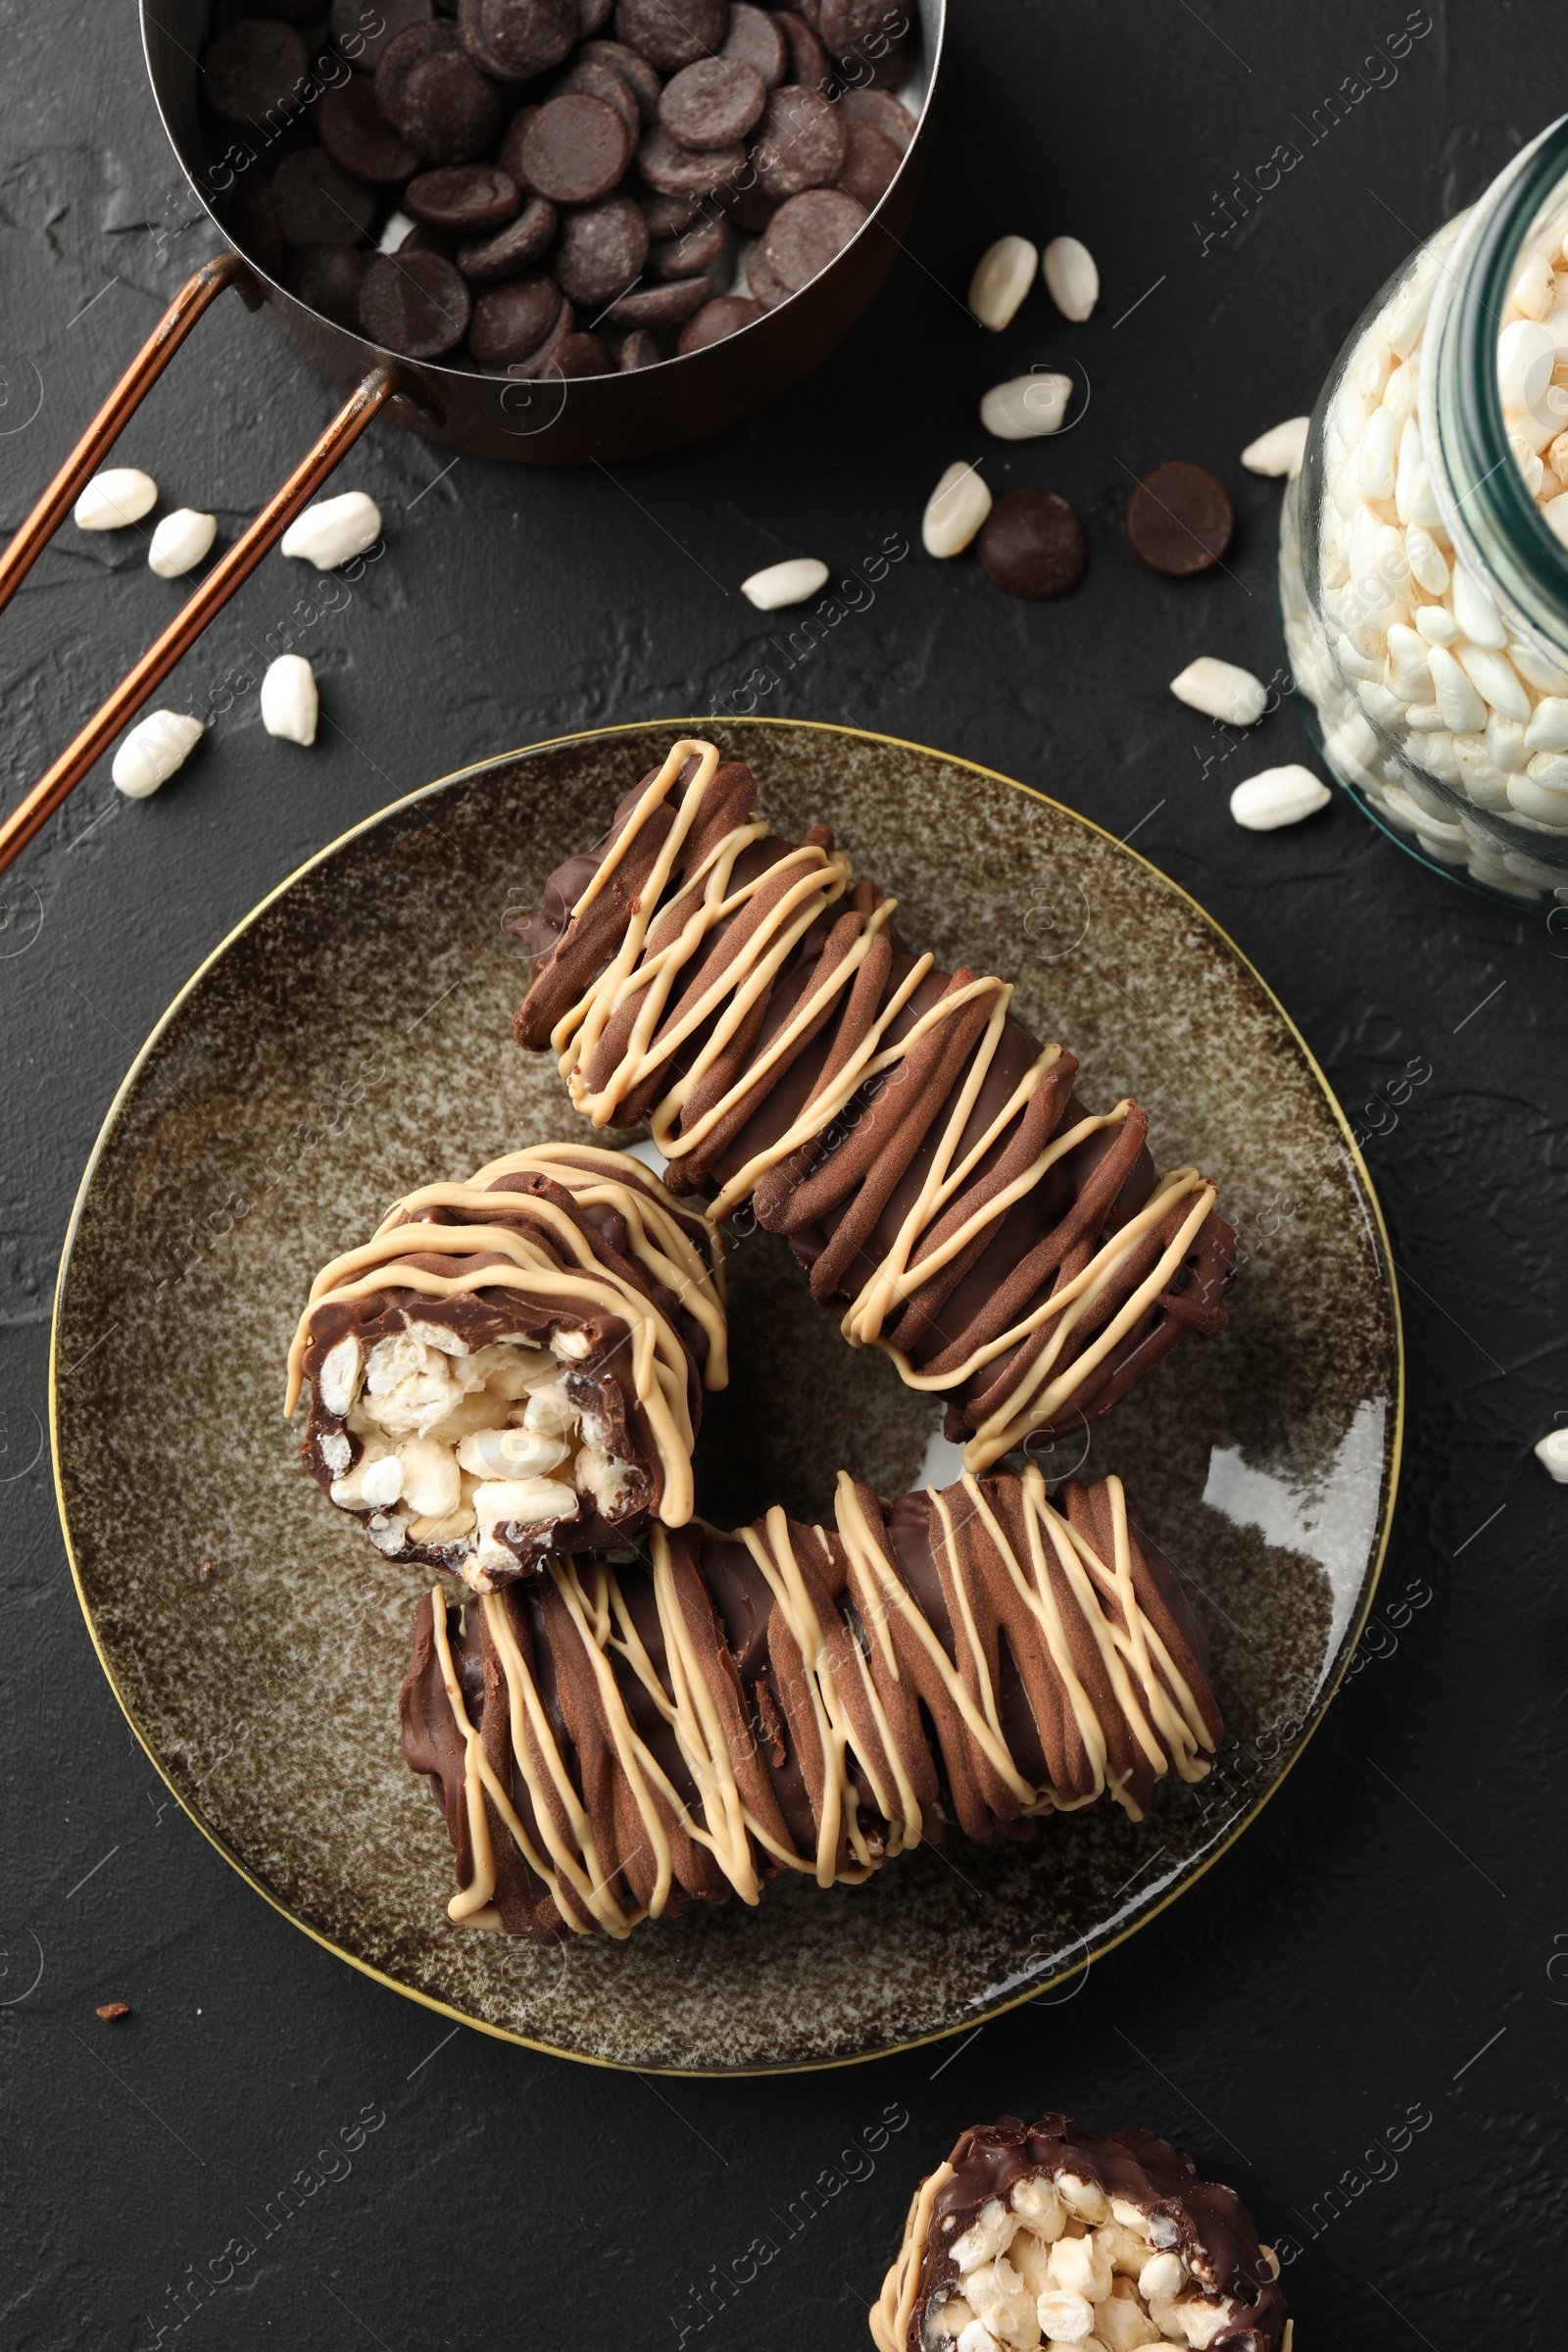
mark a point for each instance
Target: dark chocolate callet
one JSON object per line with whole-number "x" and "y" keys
{"x": 318, "y": 202}
{"x": 1032, "y": 544}
{"x": 432, "y": 91}
{"x": 355, "y": 133}
{"x": 1180, "y": 519}
{"x": 510, "y": 250}
{"x": 417, "y": 303}
{"x": 672, "y": 33}
{"x": 724, "y": 315}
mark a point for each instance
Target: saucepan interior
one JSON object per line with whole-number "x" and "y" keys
{"x": 564, "y": 422}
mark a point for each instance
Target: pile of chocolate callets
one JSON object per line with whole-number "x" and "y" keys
{"x": 544, "y": 188}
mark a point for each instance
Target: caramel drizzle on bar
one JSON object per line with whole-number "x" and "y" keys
{"x": 664, "y": 943}
{"x": 659, "y": 1238}
{"x": 846, "y": 1688}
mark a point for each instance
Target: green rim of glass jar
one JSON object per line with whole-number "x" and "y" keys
{"x": 1491, "y": 518}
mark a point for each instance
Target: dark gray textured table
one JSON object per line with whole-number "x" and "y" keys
{"x": 1359, "y": 2017}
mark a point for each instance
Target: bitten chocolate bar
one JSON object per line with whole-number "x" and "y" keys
{"x": 1044, "y": 2234}
{"x": 514, "y": 1364}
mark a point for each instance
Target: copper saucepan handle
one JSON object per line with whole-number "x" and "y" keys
{"x": 193, "y": 299}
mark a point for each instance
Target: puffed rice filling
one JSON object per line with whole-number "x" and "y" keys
{"x": 460, "y": 1448}
{"x": 1062, "y": 2264}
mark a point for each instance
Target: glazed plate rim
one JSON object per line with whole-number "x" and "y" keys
{"x": 1394, "y": 1442}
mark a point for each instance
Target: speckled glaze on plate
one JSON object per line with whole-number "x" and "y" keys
{"x": 351, "y": 1039}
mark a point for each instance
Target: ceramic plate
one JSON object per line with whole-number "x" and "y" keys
{"x": 352, "y": 1040}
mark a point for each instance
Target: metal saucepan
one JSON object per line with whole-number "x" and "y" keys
{"x": 564, "y": 421}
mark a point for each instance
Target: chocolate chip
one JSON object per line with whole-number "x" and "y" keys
{"x": 661, "y": 306}
{"x": 327, "y": 279}
{"x": 802, "y": 144}
{"x": 356, "y": 134}
{"x": 870, "y": 164}
{"x": 638, "y": 74}
{"x": 809, "y": 65}
{"x": 515, "y": 39}
{"x": 1033, "y": 543}
{"x": 546, "y": 360}
{"x": 512, "y": 320}
{"x": 1180, "y": 519}
{"x": 417, "y": 303}
{"x": 429, "y": 88}
{"x": 809, "y": 231}
{"x": 584, "y": 355}
{"x": 602, "y": 82}
{"x": 878, "y": 112}
{"x": 696, "y": 251}
{"x": 512, "y": 249}
{"x": 575, "y": 150}
{"x": 361, "y": 29}
{"x": 591, "y": 15}
{"x": 601, "y": 250}
{"x": 318, "y": 203}
{"x": 677, "y": 171}
{"x": 889, "y": 71}
{"x": 714, "y": 103}
{"x": 254, "y": 70}
{"x": 770, "y": 290}
{"x": 755, "y": 37}
{"x": 848, "y": 27}
{"x": 641, "y": 349}
{"x": 667, "y": 215}
{"x": 671, "y": 33}
{"x": 716, "y": 320}
{"x": 464, "y": 199}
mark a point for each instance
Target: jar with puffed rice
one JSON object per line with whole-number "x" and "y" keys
{"x": 1424, "y": 545}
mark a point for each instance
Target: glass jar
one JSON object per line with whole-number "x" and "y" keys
{"x": 1423, "y": 583}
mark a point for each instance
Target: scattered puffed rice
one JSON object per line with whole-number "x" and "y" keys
{"x": 1221, "y": 690}
{"x": 1552, "y": 1454}
{"x": 154, "y": 749}
{"x": 398, "y": 228}
{"x": 1278, "y": 796}
{"x": 332, "y": 531}
{"x": 1278, "y": 451}
{"x": 955, "y": 511}
{"x": 112, "y": 500}
{"x": 180, "y": 541}
{"x": 1003, "y": 276}
{"x": 1026, "y": 405}
{"x": 788, "y": 583}
{"x": 1071, "y": 278}
{"x": 289, "y": 699}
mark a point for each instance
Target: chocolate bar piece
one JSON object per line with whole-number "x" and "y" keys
{"x": 926, "y": 1157}
{"x": 1044, "y": 2234}
{"x": 514, "y": 1365}
{"x": 609, "y": 1744}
